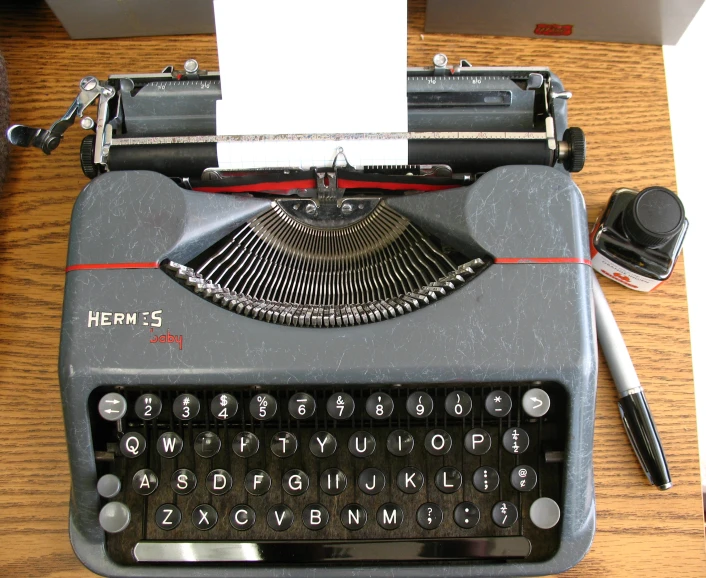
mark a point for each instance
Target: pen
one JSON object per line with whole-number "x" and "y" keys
{"x": 634, "y": 410}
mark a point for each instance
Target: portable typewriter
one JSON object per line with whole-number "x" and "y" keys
{"x": 380, "y": 371}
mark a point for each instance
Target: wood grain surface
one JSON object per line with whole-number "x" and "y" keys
{"x": 620, "y": 101}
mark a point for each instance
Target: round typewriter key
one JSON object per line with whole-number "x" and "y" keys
{"x": 108, "y": 486}
{"x": 112, "y": 406}
{"x": 379, "y": 405}
{"x": 257, "y": 482}
{"x": 144, "y": 482}
{"x": 148, "y": 406}
{"x": 295, "y": 482}
{"x": 498, "y": 403}
{"x": 263, "y": 407}
{"x": 167, "y": 516}
{"x": 315, "y": 516}
{"x": 340, "y": 406}
{"x": 400, "y": 443}
{"x": 280, "y": 517}
{"x": 169, "y": 444}
{"x": 437, "y": 442}
{"x": 245, "y": 444}
{"x": 486, "y": 479}
{"x": 333, "y": 481}
{"x": 132, "y": 444}
{"x": 429, "y": 516}
{"x": 361, "y": 444}
{"x": 353, "y": 517}
{"x": 535, "y": 402}
{"x": 183, "y": 482}
{"x": 545, "y": 513}
{"x": 207, "y": 444}
{"x": 114, "y": 517}
{"x": 448, "y": 480}
{"x": 504, "y": 514}
{"x": 420, "y": 404}
{"x": 477, "y": 442}
{"x": 516, "y": 440}
{"x": 466, "y": 515}
{"x": 301, "y": 406}
{"x": 242, "y": 517}
{"x": 371, "y": 481}
{"x": 186, "y": 407}
{"x": 410, "y": 480}
{"x": 219, "y": 482}
{"x": 284, "y": 444}
{"x": 322, "y": 444}
{"x": 390, "y": 516}
{"x": 224, "y": 406}
{"x": 458, "y": 404}
{"x": 204, "y": 517}
{"x": 523, "y": 478}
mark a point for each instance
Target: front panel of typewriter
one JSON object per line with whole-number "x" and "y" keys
{"x": 400, "y": 383}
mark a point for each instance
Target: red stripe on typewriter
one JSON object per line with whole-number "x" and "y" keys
{"x": 541, "y": 260}
{"x": 311, "y": 184}
{"x": 92, "y": 266}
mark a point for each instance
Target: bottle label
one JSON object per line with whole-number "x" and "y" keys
{"x": 622, "y": 275}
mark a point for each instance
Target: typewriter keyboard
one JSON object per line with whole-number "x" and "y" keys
{"x": 324, "y": 474}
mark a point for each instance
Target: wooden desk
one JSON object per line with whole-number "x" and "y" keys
{"x": 620, "y": 101}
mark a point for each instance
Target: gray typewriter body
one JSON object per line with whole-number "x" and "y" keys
{"x": 525, "y": 321}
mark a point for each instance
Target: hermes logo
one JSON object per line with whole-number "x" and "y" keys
{"x": 105, "y": 318}
{"x": 554, "y": 29}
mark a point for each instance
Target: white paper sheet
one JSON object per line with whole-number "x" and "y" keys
{"x": 312, "y": 66}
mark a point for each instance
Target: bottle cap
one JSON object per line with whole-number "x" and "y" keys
{"x": 653, "y": 217}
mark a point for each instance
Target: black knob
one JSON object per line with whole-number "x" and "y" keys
{"x": 86, "y": 153}
{"x": 653, "y": 217}
{"x": 576, "y": 158}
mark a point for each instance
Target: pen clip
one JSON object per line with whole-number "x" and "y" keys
{"x": 635, "y": 449}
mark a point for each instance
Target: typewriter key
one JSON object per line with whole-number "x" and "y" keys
{"x": 429, "y": 516}
{"x": 535, "y": 402}
{"x": 361, "y": 444}
{"x": 183, "y": 482}
{"x": 242, "y": 517}
{"x": 410, "y": 480}
{"x": 112, "y": 406}
{"x": 333, "y": 481}
{"x": 486, "y": 479}
{"x": 108, "y": 486}
{"x": 390, "y": 516}
{"x": 301, "y": 406}
{"x": 315, "y": 516}
{"x": 322, "y": 444}
{"x": 448, "y": 480}
{"x": 466, "y": 515}
{"x": 504, "y": 514}
{"x": 477, "y": 442}
{"x": 284, "y": 444}
{"x": 263, "y": 407}
{"x": 516, "y": 440}
{"x": 224, "y": 406}
{"x": 498, "y": 403}
{"x": 186, "y": 407}
{"x": 204, "y": 517}
{"x": 523, "y": 478}
{"x": 148, "y": 406}
{"x": 379, "y": 405}
{"x": 144, "y": 482}
{"x": 257, "y": 482}
{"x": 245, "y": 444}
{"x": 353, "y": 517}
{"x": 437, "y": 442}
{"x": 219, "y": 482}
{"x": 132, "y": 444}
{"x": 420, "y": 404}
{"x": 400, "y": 443}
{"x": 340, "y": 406}
{"x": 371, "y": 481}
{"x": 207, "y": 444}
{"x": 169, "y": 445}
{"x": 167, "y": 516}
{"x": 295, "y": 482}
{"x": 114, "y": 517}
{"x": 280, "y": 518}
{"x": 458, "y": 404}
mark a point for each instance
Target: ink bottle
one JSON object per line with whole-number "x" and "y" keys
{"x": 637, "y": 240}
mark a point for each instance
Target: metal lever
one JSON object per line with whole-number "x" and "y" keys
{"x": 48, "y": 140}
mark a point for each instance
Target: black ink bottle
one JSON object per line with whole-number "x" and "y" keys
{"x": 637, "y": 240}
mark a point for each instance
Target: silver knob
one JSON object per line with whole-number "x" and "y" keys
{"x": 545, "y": 513}
{"x": 191, "y": 66}
{"x": 440, "y": 60}
{"x": 114, "y": 517}
{"x": 108, "y": 486}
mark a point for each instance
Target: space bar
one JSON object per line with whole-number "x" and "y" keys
{"x": 312, "y": 551}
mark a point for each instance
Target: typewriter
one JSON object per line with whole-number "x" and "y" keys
{"x": 339, "y": 371}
